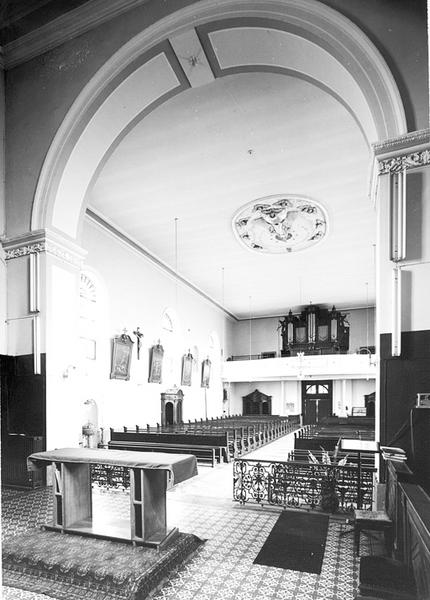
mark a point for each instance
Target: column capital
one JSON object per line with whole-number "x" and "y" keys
{"x": 44, "y": 240}
{"x": 407, "y": 151}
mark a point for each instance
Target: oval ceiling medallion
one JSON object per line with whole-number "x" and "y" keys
{"x": 279, "y": 224}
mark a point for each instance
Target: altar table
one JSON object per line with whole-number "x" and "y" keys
{"x": 150, "y": 475}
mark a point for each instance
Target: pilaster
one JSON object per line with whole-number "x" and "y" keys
{"x": 43, "y": 273}
{"x": 402, "y": 276}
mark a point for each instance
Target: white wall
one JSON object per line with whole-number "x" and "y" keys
{"x": 2, "y": 156}
{"x": 286, "y": 395}
{"x": 3, "y": 304}
{"x": 348, "y": 393}
{"x": 262, "y": 335}
{"x": 255, "y": 336}
{"x": 362, "y": 328}
{"x": 137, "y": 292}
{"x": 3, "y": 311}
{"x": 19, "y": 330}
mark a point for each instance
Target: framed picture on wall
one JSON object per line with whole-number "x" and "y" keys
{"x": 206, "y": 373}
{"x": 122, "y": 346}
{"x": 187, "y": 367}
{"x": 156, "y": 364}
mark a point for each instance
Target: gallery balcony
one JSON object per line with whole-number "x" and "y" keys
{"x": 329, "y": 366}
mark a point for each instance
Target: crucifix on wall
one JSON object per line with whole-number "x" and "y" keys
{"x": 139, "y": 336}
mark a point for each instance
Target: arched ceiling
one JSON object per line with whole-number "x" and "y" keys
{"x": 207, "y": 151}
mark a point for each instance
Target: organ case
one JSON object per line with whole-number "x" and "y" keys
{"x": 314, "y": 331}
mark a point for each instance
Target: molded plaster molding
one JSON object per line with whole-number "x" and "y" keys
{"x": 124, "y": 238}
{"x": 40, "y": 241}
{"x": 411, "y": 141}
{"x": 333, "y": 31}
{"x": 63, "y": 28}
{"x": 407, "y": 151}
{"x": 407, "y": 161}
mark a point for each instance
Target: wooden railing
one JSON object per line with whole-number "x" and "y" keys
{"x": 408, "y": 505}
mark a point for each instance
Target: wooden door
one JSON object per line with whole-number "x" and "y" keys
{"x": 169, "y": 413}
{"x": 317, "y": 401}
{"x": 309, "y": 411}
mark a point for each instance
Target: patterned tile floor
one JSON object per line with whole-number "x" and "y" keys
{"x": 223, "y": 568}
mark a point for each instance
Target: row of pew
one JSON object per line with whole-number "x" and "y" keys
{"x": 302, "y": 456}
{"x": 350, "y": 430}
{"x": 212, "y": 441}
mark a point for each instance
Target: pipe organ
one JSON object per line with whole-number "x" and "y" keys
{"x": 314, "y": 331}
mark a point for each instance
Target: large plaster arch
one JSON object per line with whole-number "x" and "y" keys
{"x": 141, "y": 75}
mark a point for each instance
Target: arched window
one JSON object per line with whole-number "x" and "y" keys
{"x": 167, "y": 321}
{"x": 214, "y": 347}
{"x": 168, "y": 339}
{"x": 87, "y": 318}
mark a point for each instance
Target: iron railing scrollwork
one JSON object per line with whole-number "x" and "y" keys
{"x": 294, "y": 484}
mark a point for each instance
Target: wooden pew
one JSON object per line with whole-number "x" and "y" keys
{"x": 231, "y": 437}
{"x": 208, "y": 447}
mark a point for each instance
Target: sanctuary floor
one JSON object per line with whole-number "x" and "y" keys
{"x": 223, "y": 568}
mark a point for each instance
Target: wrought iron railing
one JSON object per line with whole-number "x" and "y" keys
{"x": 110, "y": 477}
{"x": 298, "y": 484}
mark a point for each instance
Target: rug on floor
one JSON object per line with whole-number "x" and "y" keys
{"x": 40, "y": 558}
{"x": 296, "y": 542}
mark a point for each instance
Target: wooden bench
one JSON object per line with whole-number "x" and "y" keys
{"x": 375, "y": 520}
{"x": 231, "y": 437}
{"x": 202, "y": 453}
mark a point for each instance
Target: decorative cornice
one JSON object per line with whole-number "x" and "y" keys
{"x": 40, "y": 241}
{"x": 404, "y": 162}
{"x": 404, "y": 152}
{"x": 25, "y": 250}
{"x": 408, "y": 140}
{"x": 63, "y": 28}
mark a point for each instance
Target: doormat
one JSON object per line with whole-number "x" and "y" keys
{"x": 68, "y": 566}
{"x": 296, "y": 542}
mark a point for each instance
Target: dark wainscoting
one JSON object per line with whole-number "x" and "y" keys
{"x": 408, "y": 506}
{"x": 23, "y": 416}
{"x": 401, "y": 379}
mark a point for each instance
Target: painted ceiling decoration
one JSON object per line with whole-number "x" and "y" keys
{"x": 280, "y": 224}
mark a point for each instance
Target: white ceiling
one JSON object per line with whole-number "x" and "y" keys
{"x": 209, "y": 150}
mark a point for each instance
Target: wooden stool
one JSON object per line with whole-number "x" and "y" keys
{"x": 376, "y": 520}
{"x": 386, "y": 578}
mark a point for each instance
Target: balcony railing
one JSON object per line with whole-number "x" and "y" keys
{"x": 256, "y": 367}
{"x": 292, "y": 484}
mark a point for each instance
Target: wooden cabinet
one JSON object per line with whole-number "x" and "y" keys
{"x": 257, "y": 403}
{"x": 15, "y": 449}
{"x": 314, "y": 331}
